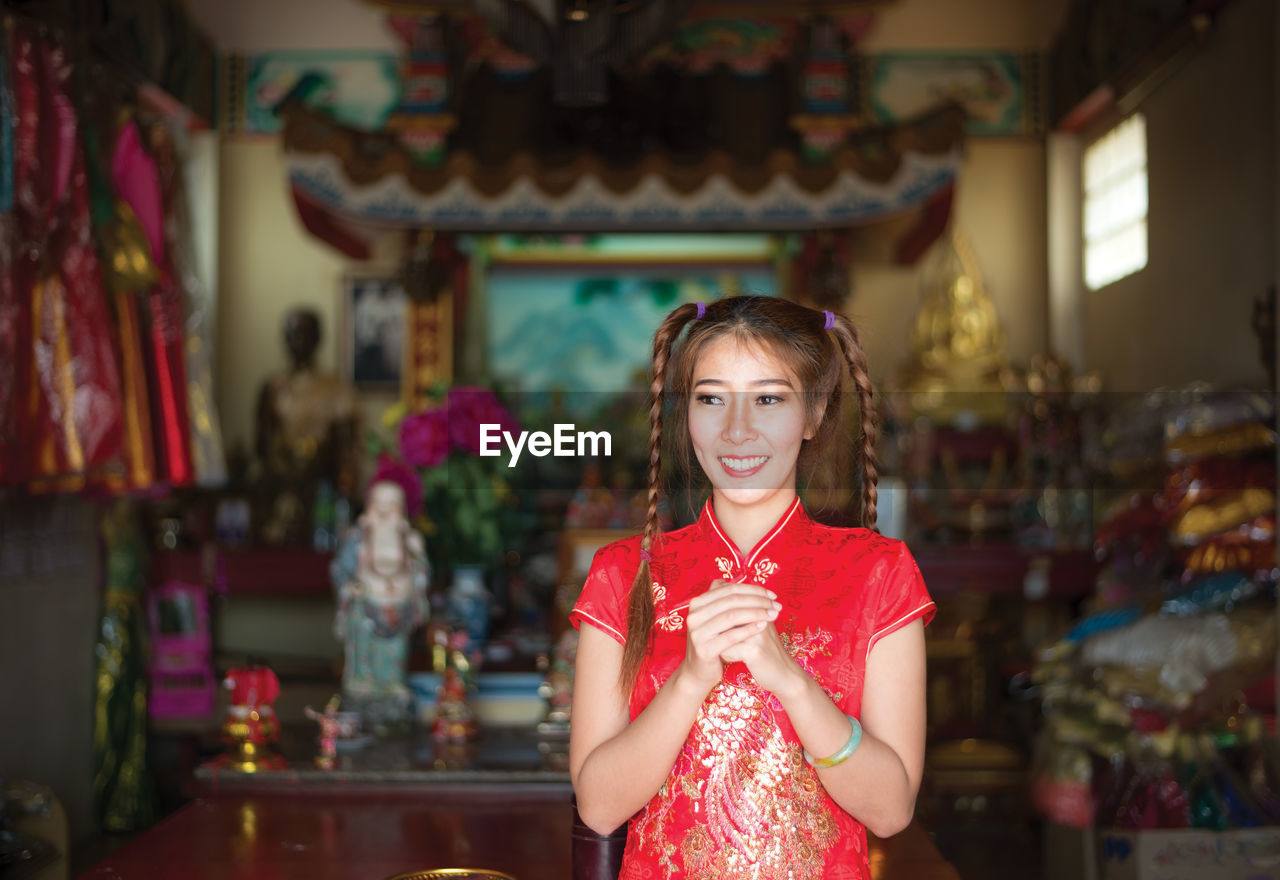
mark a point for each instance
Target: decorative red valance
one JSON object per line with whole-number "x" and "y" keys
{"x": 349, "y": 183}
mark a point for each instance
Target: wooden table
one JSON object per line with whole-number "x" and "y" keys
{"x": 329, "y": 834}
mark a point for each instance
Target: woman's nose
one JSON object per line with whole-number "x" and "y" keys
{"x": 739, "y": 422}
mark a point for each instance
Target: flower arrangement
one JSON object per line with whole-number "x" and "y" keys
{"x": 466, "y": 499}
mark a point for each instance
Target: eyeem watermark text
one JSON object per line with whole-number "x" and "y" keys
{"x": 564, "y": 441}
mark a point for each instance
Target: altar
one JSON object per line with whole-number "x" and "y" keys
{"x": 400, "y": 804}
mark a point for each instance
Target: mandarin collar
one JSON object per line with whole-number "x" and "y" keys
{"x": 791, "y": 518}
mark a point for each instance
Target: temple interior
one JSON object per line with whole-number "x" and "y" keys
{"x": 326, "y": 351}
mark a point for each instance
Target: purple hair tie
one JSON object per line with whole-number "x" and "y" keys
{"x": 831, "y": 320}
{"x": 702, "y": 310}
{"x": 646, "y": 556}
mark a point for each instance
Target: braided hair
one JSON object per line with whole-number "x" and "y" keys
{"x": 817, "y": 347}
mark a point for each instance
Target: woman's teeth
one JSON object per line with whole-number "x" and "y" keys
{"x": 744, "y": 464}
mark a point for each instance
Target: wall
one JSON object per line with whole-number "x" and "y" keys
{"x": 252, "y": 26}
{"x": 972, "y": 24}
{"x": 1000, "y": 208}
{"x": 50, "y": 581}
{"x": 1000, "y": 195}
{"x": 1211, "y": 148}
{"x": 267, "y": 263}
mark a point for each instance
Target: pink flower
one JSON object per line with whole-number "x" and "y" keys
{"x": 469, "y": 408}
{"x": 424, "y": 438}
{"x": 395, "y": 471}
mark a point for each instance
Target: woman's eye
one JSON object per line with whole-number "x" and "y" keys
{"x": 709, "y": 399}
{"x": 769, "y": 399}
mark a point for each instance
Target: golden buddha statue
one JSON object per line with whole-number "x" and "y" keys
{"x": 958, "y": 363}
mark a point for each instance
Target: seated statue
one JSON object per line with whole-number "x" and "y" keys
{"x": 307, "y": 433}
{"x": 958, "y": 364}
{"x": 380, "y": 579}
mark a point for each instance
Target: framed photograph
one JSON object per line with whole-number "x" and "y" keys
{"x": 375, "y": 311}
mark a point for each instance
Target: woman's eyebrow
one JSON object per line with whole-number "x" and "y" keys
{"x": 760, "y": 383}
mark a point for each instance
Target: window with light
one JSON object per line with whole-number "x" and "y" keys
{"x": 1115, "y": 203}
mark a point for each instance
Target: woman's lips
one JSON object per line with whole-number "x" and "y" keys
{"x": 743, "y": 465}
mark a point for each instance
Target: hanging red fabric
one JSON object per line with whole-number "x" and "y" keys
{"x": 137, "y": 182}
{"x": 70, "y": 426}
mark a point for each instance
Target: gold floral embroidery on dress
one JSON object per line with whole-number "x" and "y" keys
{"x": 756, "y": 807}
{"x": 803, "y": 647}
{"x": 671, "y": 621}
{"x": 764, "y": 568}
{"x": 725, "y": 566}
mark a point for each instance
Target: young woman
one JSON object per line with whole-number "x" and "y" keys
{"x": 749, "y": 690}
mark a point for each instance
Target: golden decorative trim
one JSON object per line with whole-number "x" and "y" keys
{"x": 429, "y": 354}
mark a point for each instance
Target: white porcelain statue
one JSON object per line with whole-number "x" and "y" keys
{"x": 380, "y": 577}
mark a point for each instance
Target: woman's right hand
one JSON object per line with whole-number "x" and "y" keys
{"x": 727, "y": 614}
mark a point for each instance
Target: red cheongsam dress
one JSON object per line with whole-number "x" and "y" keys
{"x": 741, "y": 801}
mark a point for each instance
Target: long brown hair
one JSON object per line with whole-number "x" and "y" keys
{"x": 818, "y": 358}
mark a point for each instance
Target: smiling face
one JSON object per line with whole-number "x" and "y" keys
{"x": 746, "y": 423}
{"x": 385, "y": 502}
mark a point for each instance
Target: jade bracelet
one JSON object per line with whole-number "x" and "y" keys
{"x": 855, "y": 737}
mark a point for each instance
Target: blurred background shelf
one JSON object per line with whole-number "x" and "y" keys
{"x": 266, "y": 571}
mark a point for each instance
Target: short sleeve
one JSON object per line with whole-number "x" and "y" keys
{"x": 903, "y": 597}
{"x": 603, "y": 601}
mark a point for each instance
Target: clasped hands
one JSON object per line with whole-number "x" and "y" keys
{"x": 734, "y": 622}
